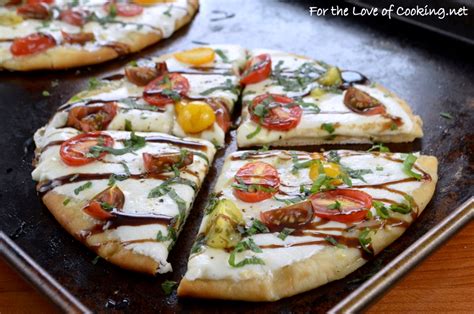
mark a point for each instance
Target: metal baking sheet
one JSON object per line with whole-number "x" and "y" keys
{"x": 433, "y": 73}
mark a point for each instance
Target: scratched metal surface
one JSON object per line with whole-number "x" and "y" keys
{"x": 433, "y": 73}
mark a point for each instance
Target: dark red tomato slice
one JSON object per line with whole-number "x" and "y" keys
{"x": 40, "y": 1}
{"x": 74, "y": 152}
{"x": 343, "y": 205}
{"x": 283, "y": 113}
{"x": 164, "y": 162}
{"x": 34, "y": 11}
{"x": 362, "y": 103}
{"x": 222, "y": 114}
{"x": 31, "y": 44}
{"x": 124, "y": 9}
{"x": 257, "y": 69}
{"x": 73, "y": 17}
{"x": 92, "y": 118}
{"x": 157, "y": 92}
{"x": 294, "y": 216}
{"x": 101, "y": 205}
{"x": 259, "y": 181}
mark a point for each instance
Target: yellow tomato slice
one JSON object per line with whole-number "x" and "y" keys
{"x": 331, "y": 169}
{"x": 196, "y": 56}
{"x": 195, "y": 117}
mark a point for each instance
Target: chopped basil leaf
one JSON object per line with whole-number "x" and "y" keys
{"x": 285, "y": 233}
{"x": 328, "y": 127}
{"x": 198, "y": 244}
{"x": 168, "y": 286}
{"x": 96, "y": 260}
{"x": 334, "y": 157}
{"x": 408, "y": 165}
{"x": 379, "y": 168}
{"x": 404, "y": 208}
{"x": 222, "y": 55}
{"x": 334, "y": 242}
{"x": 357, "y": 173}
{"x": 322, "y": 183}
{"x": 170, "y": 236}
{"x": 94, "y": 83}
{"x": 244, "y": 245}
{"x": 257, "y": 130}
{"x": 83, "y": 187}
{"x": 381, "y": 210}
{"x": 66, "y": 201}
{"x": 335, "y": 205}
{"x": 380, "y": 147}
{"x": 446, "y": 115}
{"x": 289, "y": 201}
{"x": 211, "y": 203}
{"x": 365, "y": 240}
{"x": 168, "y": 11}
{"x": 128, "y": 125}
{"x": 257, "y": 227}
{"x": 393, "y": 126}
{"x": 134, "y": 143}
{"x": 45, "y": 93}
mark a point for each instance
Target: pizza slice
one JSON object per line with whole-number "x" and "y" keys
{"x": 58, "y": 34}
{"x": 293, "y": 100}
{"x": 189, "y": 93}
{"x": 124, "y": 195}
{"x": 284, "y": 222}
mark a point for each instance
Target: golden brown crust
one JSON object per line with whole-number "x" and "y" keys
{"x": 330, "y": 264}
{"x": 74, "y": 220}
{"x": 64, "y": 57}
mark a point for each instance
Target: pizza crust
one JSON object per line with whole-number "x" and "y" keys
{"x": 74, "y": 220}
{"x": 330, "y": 264}
{"x": 64, "y": 57}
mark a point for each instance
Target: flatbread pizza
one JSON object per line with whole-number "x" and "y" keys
{"x": 57, "y": 34}
{"x": 125, "y": 195}
{"x": 292, "y": 100}
{"x": 284, "y": 222}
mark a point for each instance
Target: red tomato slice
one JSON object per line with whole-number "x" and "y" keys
{"x": 155, "y": 91}
{"x": 92, "y": 118}
{"x": 74, "y": 151}
{"x": 353, "y": 205}
{"x": 31, "y": 44}
{"x": 164, "y": 162}
{"x": 257, "y": 69}
{"x": 73, "y": 17}
{"x": 101, "y": 205}
{"x": 222, "y": 114}
{"x": 259, "y": 177}
{"x": 283, "y": 113}
{"x": 40, "y": 1}
{"x": 34, "y": 11}
{"x": 124, "y": 9}
{"x": 294, "y": 216}
{"x": 362, "y": 103}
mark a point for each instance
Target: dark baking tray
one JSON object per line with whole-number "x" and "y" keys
{"x": 433, "y": 73}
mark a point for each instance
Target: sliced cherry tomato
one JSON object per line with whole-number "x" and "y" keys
{"x": 92, "y": 118}
{"x": 40, "y": 1}
{"x": 104, "y": 202}
{"x": 34, "y": 11}
{"x": 343, "y": 205}
{"x": 362, "y": 103}
{"x": 280, "y": 113}
{"x": 196, "y": 56}
{"x": 222, "y": 114}
{"x": 162, "y": 90}
{"x": 76, "y": 150}
{"x": 294, "y": 216}
{"x": 124, "y": 9}
{"x": 256, "y": 181}
{"x": 31, "y": 44}
{"x": 78, "y": 38}
{"x": 257, "y": 69}
{"x": 164, "y": 162}
{"x": 73, "y": 17}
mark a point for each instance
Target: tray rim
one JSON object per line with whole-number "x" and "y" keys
{"x": 357, "y": 301}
